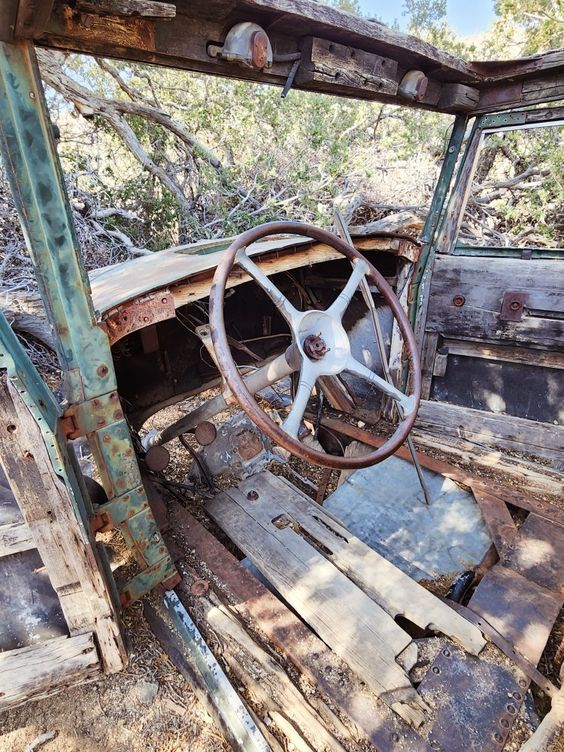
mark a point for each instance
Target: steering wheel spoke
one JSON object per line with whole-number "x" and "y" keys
{"x": 406, "y": 403}
{"x": 341, "y": 303}
{"x": 281, "y": 302}
{"x": 305, "y": 385}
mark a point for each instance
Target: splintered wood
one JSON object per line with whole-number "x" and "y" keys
{"x": 312, "y": 561}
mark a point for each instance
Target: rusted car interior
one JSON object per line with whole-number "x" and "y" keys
{"x": 370, "y": 423}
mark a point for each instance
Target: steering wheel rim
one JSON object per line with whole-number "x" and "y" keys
{"x": 235, "y": 382}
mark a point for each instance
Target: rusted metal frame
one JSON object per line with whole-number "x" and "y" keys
{"x": 498, "y": 521}
{"x": 138, "y": 314}
{"x": 36, "y": 180}
{"x": 429, "y": 233}
{"x": 235, "y": 380}
{"x": 551, "y": 115}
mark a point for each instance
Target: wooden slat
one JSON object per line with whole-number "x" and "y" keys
{"x": 397, "y": 593}
{"x": 489, "y": 429}
{"x": 38, "y": 671}
{"x": 15, "y": 538}
{"x": 70, "y": 559}
{"x": 505, "y": 353}
{"x": 265, "y": 614}
{"x": 521, "y": 471}
{"x": 353, "y": 625}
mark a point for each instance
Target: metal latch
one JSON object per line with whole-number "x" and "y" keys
{"x": 513, "y": 305}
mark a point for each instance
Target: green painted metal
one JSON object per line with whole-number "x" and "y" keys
{"x": 500, "y": 252}
{"x": 522, "y": 117}
{"x": 89, "y": 380}
{"x": 434, "y": 216}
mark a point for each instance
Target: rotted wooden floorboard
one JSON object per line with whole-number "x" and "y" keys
{"x": 369, "y": 719}
{"x": 37, "y": 671}
{"x": 387, "y": 585}
{"x": 350, "y": 622}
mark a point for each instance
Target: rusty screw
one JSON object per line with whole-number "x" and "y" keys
{"x": 252, "y": 496}
{"x": 102, "y": 370}
{"x": 459, "y": 301}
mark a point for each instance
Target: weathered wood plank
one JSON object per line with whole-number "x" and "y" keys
{"x": 522, "y": 472}
{"x": 14, "y": 538}
{"x": 71, "y": 561}
{"x": 505, "y": 353}
{"x": 265, "y": 614}
{"x": 489, "y": 429}
{"x": 38, "y": 671}
{"x": 346, "y": 67}
{"x": 387, "y": 585}
{"x": 144, "y": 8}
{"x": 351, "y": 623}
{"x": 481, "y": 294}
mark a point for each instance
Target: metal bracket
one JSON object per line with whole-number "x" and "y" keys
{"x": 138, "y": 314}
{"x": 513, "y": 305}
{"x": 91, "y": 415}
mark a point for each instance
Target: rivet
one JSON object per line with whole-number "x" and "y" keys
{"x": 106, "y": 439}
{"x": 458, "y": 301}
{"x": 394, "y": 737}
{"x": 436, "y": 670}
{"x": 504, "y": 723}
{"x": 446, "y": 652}
{"x": 498, "y": 737}
{"x": 118, "y": 415}
{"x": 252, "y": 496}
{"x": 102, "y": 370}
{"x": 522, "y": 683}
{"x": 32, "y": 95}
{"x": 517, "y": 696}
{"x": 511, "y": 709}
{"x": 101, "y": 422}
{"x": 515, "y": 305}
{"x": 164, "y": 300}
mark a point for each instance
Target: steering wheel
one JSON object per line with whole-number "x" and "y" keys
{"x": 321, "y": 346}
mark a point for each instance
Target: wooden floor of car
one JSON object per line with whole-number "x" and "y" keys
{"x": 338, "y": 638}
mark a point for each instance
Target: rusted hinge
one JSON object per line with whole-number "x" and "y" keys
{"x": 91, "y": 415}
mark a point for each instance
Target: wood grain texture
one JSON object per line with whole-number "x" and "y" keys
{"x": 144, "y": 8}
{"x": 264, "y": 614}
{"x": 38, "y": 671}
{"x": 489, "y": 429}
{"x": 70, "y": 559}
{"x": 482, "y": 285}
{"x": 387, "y": 585}
{"x": 346, "y": 67}
{"x": 352, "y": 624}
{"x": 14, "y": 538}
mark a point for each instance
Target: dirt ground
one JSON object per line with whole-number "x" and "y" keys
{"x": 148, "y": 707}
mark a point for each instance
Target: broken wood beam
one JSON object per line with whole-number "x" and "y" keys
{"x": 37, "y": 671}
{"x": 268, "y": 616}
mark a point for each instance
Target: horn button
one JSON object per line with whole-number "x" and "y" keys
{"x": 323, "y": 340}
